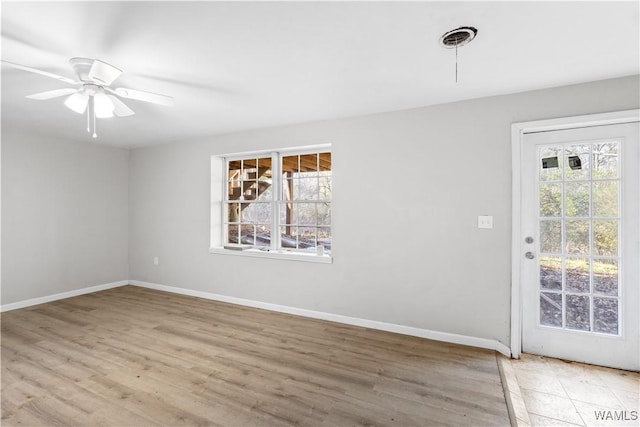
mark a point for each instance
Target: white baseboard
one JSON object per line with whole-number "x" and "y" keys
{"x": 372, "y": 324}
{"x": 63, "y": 295}
{"x": 338, "y": 318}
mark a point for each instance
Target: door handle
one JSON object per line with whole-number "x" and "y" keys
{"x": 529, "y": 255}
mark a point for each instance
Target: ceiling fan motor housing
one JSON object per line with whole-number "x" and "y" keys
{"x": 81, "y": 67}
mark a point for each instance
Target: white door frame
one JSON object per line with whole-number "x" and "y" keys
{"x": 518, "y": 130}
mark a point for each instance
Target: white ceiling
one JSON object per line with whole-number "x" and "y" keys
{"x": 233, "y": 66}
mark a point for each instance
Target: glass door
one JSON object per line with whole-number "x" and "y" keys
{"x": 580, "y": 290}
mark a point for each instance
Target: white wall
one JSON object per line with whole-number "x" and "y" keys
{"x": 64, "y": 215}
{"x": 408, "y": 187}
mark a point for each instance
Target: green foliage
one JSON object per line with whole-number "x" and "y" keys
{"x": 602, "y": 267}
{"x": 578, "y": 200}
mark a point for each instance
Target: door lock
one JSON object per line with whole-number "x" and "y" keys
{"x": 528, "y": 239}
{"x": 529, "y": 255}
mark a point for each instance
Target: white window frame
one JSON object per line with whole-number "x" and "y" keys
{"x": 219, "y": 170}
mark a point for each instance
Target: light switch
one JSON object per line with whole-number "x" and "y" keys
{"x": 485, "y": 221}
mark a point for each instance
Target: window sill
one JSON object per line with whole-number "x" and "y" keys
{"x": 282, "y": 254}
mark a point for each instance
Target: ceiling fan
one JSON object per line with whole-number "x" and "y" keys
{"x": 93, "y": 93}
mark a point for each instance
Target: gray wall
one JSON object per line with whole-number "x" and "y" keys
{"x": 408, "y": 187}
{"x": 64, "y": 215}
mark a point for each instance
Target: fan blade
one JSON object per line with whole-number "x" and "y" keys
{"x": 120, "y": 108}
{"x": 36, "y": 71}
{"x": 103, "y": 73}
{"x": 139, "y": 95}
{"x": 50, "y": 94}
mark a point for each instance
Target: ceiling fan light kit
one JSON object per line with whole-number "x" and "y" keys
{"x": 103, "y": 105}
{"x": 94, "y": 96}
{"x": 77, "y": 102}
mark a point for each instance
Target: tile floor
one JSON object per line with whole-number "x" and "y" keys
{"x": 552, "y": 392}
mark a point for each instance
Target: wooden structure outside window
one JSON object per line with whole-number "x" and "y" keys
{"x": 279, "y": 201}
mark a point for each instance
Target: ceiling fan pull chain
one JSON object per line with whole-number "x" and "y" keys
{"x": 95, "y": 134}
{"x": 91, "y": 116}
{"x": 456, "y": 61}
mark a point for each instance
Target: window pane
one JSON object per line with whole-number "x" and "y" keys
{"x": 550, "y": 309}
{"x": 605, "y": 237}
{"x": 250, "y": 190}
{"x": 232, "y": 233}
{"x": 305, "y": 188}
{"x": 309, "y": 164}
{"x": 551, "y": 199}
{"x": 605, "y": 199}
{"x": 551, "y": 273}
{"x": 233, "y": 212}
{"x": 551, "y": 236}
{"x": 324, "y": 186}
{"x": 288, "y": 237}
{"x": 257, "y": 213}
{"x": 325, "y": 161}
{"x": 234, "y": 190}
{"x": 576, "y": 158}
{"x": 577, "y": 237}
{"x": 324, "y": 213}
{"x": 605, "y": 276}
{"x": 265, "y": 189}
{"x": 605, "y": 160}
{"x": 247, "y": 234}
{"x": 290, "y": 164}
{"x": 605, "y": 315}
{"x": 577, "y": 273}
{"x": 287, "y": 188}
{"x": 249, "y": 169}
{"x": 578, "y": 312}
{"x": 234, "y": 170}
{"x": 307, "y": 214}
{"x": 324, "y": 237}
{"x": 264, "y": 166}
{"x": 576, "y": 199}
{"x": 550, "y": 163}
{"x": 307, "y": 237}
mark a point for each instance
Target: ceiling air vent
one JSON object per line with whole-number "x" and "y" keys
{"x": 458, "y": 37}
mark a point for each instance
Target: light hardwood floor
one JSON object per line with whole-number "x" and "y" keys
{"x": 131, "y": 357}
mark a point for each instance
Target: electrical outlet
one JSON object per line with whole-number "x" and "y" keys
{"x": 156, "y": 261}
{"x": 485, "y": 221}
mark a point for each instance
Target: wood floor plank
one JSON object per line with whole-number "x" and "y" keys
{"x": 134, "y": 356}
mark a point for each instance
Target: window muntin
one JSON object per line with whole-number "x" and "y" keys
{"x": 289, "y": 192}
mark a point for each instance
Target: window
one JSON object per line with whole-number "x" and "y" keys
{"x": 249, "y": 213}
{"x": 278, "y": 202}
